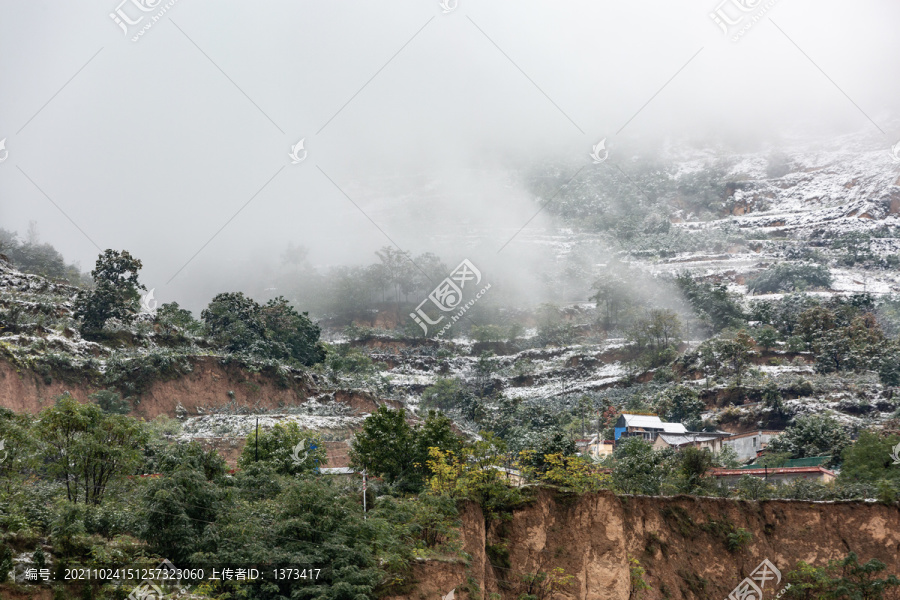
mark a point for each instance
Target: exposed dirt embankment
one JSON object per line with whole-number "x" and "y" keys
{"x": 681, "y": 542}
{"x": 210, "y": 384}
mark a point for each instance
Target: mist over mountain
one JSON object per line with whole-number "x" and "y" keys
{"x": 490, "y": 301}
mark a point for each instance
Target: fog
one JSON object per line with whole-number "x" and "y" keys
{"x": 419, "y": 126}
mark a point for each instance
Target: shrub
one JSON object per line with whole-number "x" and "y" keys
{"x": 845, "y": 578}
{"x": 487, "y": 333}
{"x": 716, "y": 308}
{"x": 574, "y": 473}
{"x": 111, "y": 402}
{"x": 789, "y": 277}
{"x": 749, "y": 487}
{"x": 6, "y": 562}
{"x": 738, "y": 538}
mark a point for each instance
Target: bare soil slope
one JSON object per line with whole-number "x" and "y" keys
{"x": 681, "y": 542}
{"x": 211, "y": 384}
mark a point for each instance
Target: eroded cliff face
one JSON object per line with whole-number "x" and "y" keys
{"x": 206, "y": 386}
{"x": 681, "y": 542}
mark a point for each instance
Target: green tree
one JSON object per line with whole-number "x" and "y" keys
{"x": 294, "y": 330}
{"x": 398, "y": 269}
{"x": 638, "y": 468}
{"x": 716, "y": 308}
{"x": 773, "y": 460}
{"x": 655, "y": 334}
{"x": 772, "y": 399}
{"x": 177, "y": 509}
{"x": 445, "y": 394}
{"x": 727, "y": 458}
{"x": 681, "y": 404}
{"x": 275, "y": 330}
{"x": 6, "y": 562}
{"x": 552, "y": 328}
{"x": 62, "y": 428}
{"x": 766, "y": 337}
{"x": 736, "y": 353}
{"x": 287, "y": 448}
{"x": 485, "y": 368}
{"x": 869, "y": 459}
{"x": 168, "y": 458}
{"x": 787, "y": 277}
{"x": 115, "y": 293}
{"x": 172, "y": 318}
{"x": 309, "y": 522}
{"x": 693, "y": 464}
{"x": 113, "y": 450}
{"x": 348, "y": 360}
{"x": 487, "y": 333}
{"x": 664, "y": 328}
{"x": 435, "y": 432}
{"x": 389, "y": 447}
{"x": 89, "y": 449}
{"x": 31, "y": 256}
{"x": 813, "y": 322}
{"x": 888, "y": 366}
{"x": 812, "y": 435}
{"x": 553, "y": 441}
{"x": 610, "y": 295}
{"x": 385, "y": 446}
{"x": 235, "y": 321}
{"x": 19, "y": 449}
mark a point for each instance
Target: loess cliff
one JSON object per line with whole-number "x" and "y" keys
{"x": 680, "y": 542}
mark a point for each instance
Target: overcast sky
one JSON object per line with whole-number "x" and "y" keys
{"x": 411, "y": 115}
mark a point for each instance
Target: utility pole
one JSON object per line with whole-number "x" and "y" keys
{"x": 364, "y": 495}
{"x": 257, "y": 440}
{"x": 582, "y": 419}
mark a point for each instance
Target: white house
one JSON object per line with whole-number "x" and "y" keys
{"x": 748, "y": 445}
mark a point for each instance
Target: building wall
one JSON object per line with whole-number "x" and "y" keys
{"x": 745, "y": 447}
{"x": 714, "y": 446}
